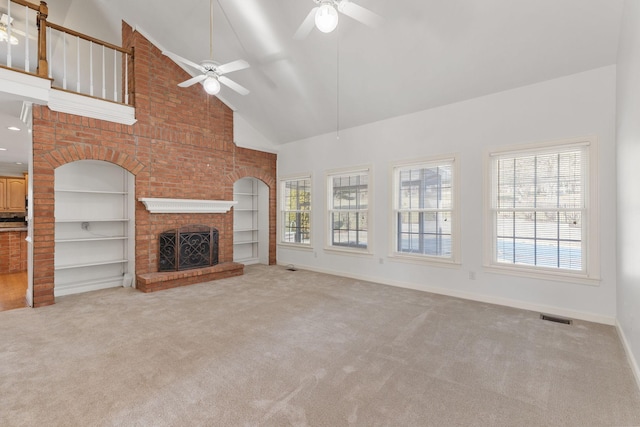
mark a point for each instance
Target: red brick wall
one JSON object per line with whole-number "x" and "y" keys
{"x": 181, "y": 147}
{"x": 13, "y": 251}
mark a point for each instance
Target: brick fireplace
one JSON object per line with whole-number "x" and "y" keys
{"x": 181, "y": 147}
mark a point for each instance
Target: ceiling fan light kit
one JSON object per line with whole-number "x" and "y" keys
{"x": 326, "y": 18}
{"x": 5, "y": 22}
{"x": 211, "y": 85}
{"x": 4, "y": 36}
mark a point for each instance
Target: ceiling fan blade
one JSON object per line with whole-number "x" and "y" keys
{"x": 307, "y": 25}
{"x": 193, "y": 80}
{"x": 178, "y": 58}
{"x": 230, "y": 67}
{"x": 360, "y": 14}
{"x": 233, "y": 85}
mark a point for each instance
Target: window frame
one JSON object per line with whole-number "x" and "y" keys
{"x": 590, "y": 236}
{"x": 427, "y": 162}
{"x": 329, "y": 175}
{"x": 282, "y": 181}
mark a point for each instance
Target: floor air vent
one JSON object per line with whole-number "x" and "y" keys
{"x": 556, "y": 319}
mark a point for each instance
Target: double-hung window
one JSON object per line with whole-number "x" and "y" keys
{"x": 542, "y": 209}
{"x": 295, "y": 210}
{"x": 425, "y": 220}
{"x": 348, "y": 197}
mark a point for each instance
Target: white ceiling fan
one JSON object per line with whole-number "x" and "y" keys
{"x": 325, "y": 16}
{"x": 212, "y": 72}
{"x": 7, "y": 27}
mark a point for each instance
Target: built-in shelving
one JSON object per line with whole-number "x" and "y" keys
{"x": 93, "y": 210}
{"x": 250, "y": 246}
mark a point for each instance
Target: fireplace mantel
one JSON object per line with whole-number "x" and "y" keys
{"x": 154, "y": 205}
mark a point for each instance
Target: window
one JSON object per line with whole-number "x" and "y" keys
{"x": 541, "y": 208}
{"x": 296, "y": 210}
{"x": 348, "y": 201}
{"x": 425, "y": 217}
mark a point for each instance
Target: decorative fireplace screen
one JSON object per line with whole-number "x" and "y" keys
{"x": 193, "y": 246}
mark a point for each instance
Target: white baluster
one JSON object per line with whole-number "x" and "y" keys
{"x": 26, "y": 39}
{"x": 104, "y": 83}
{"x": 115, "y": 75}
{"x": 126, "y": 79}
{"x": 91, "y": 68}
{"x": 49, "y": 43}
{"x": 78, "y": 64}
{"x": 64, "y": 61}
{"x": 9, "y": 34}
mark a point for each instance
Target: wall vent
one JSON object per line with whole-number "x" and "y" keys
{"x": 556, "y": 319}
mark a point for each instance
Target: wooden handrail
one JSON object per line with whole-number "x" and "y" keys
{"x": 27, "y": 4}
{"x": 88, "y": 38}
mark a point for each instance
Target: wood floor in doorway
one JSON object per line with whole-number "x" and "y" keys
{"x": 13, "y": 289}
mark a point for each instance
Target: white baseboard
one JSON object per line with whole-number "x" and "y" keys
{"x": 523, "y": 305}
{"x": 633, "y": 362}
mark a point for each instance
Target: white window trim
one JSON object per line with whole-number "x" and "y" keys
{"x": 280, "y": 225}
{"x": 368, "y": 169}
{"x": 394, "y": 255}
{"x": 591, "y": 274}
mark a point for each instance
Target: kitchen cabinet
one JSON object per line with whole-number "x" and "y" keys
{"x": 12, "y": 194}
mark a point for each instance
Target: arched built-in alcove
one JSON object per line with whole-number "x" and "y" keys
{"x": 251, "y": 221}
{"x": 94, "y": 227}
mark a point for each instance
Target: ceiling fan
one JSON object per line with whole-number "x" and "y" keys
{"x": 325, "y": 16}
{"x": 212, "y": 73}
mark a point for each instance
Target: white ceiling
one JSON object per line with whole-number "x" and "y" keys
{"x": 15, "y": 143}
{"x": 426, "y": 53}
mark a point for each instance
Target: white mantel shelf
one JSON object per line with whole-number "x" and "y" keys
{"x": 154, "y": 205}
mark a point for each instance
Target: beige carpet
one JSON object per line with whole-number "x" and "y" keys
{"x": 277, "y": 348}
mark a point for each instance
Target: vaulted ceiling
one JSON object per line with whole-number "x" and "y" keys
{"x": 426, "y": 53}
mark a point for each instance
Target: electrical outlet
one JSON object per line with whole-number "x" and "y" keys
{"x": 381, "y": 260}
{"x": 85, "y": 225}
{"x": 472, "y": 275}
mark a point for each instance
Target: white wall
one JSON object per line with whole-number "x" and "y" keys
{"x": 573, "y": 106}
{"x": 628, "y": 149}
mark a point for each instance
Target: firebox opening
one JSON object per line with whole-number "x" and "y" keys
{"x": 189, "y": 247}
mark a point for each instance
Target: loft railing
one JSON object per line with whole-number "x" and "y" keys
{"x": 72, "y": 61}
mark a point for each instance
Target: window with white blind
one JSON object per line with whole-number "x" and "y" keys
{"x": 348, "y": 195}
{"x": 425, "y": 210}
{"x": 542, "y": 208}
{"x": 295, "y": 211}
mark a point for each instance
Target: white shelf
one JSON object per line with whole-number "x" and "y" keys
{"x": 91, "y": 239}
{"x": 244, "y": 230}
{"x": 69, "y": 288}
{"x": 94, "y": 220}
{"x": 244, "y": 194}
{"x": 245, "y": 242}
{"x": 91, "y": 264}
{"x": 120, "y": 193}
{"x": 248, "y": 261}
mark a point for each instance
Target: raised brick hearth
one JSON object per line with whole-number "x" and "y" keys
{"x": 151, "y": 282}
